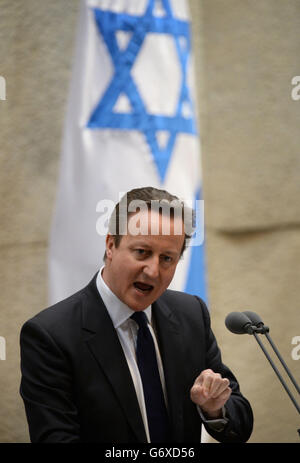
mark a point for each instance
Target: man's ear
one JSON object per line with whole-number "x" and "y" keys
{"x": 109, "y": 245}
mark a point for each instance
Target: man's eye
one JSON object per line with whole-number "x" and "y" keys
{"x": 140, "y": 252}
{"x": 167, "y": 258}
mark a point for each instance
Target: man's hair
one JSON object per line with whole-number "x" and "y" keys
{"x": 153, "y": 198}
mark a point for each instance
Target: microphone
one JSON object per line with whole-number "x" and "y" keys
{"x": 239, "y": 323}
{"x": 251, "y": 323}
{"x": 257, "y": 321}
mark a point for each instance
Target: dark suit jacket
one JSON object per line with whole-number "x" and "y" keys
{"x": 77, "y": 387}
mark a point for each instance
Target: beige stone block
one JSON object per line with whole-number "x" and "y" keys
{"x": 36, "y": 48}
{"x": 246, "y": 57}
{"x": 259, "y": 272}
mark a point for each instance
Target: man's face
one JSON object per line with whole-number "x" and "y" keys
{"x": 141, "y": 268}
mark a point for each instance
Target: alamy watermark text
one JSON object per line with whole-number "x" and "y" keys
{"x": 2, "y": 88}
{"x": 2, "y": 348}
{"x": 133, "y": 219}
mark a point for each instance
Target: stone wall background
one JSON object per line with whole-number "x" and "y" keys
{"x": 246, "y": 53}
{"x": 36, "y": 46}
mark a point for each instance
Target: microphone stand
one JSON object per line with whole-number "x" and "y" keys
{"x": 281, "y": 360}
{"x": 265, "y": 330}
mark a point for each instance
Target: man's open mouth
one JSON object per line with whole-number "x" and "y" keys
{"x": 143, "y": 287}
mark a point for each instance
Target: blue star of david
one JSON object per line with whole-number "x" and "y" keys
{"x": 103, "y": 116}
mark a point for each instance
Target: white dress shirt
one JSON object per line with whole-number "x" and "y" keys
{"x": 127, "y": 329}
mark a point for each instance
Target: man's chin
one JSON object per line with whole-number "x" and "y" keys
{"x": 139, "y": 306}
{"x": 140, "y": 301}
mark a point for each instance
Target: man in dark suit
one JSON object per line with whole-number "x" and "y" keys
{"x": 126, "y": 360}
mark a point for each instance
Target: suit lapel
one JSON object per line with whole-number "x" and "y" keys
{"x": 104, "y": 343}
{"x": 171, "y": 349}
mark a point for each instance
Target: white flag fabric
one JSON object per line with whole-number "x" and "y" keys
{"x": 130, "y": 123}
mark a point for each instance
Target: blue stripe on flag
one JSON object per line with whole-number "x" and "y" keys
{"x": 196, "y": 275}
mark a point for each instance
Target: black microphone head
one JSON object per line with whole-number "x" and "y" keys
{"x": 254, "y": 318}
{"x": 238, "y": 323}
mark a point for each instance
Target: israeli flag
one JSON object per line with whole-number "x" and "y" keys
{"x": 130, "y": 123}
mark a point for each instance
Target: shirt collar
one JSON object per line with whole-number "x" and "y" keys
{"x": 118, "y": 311}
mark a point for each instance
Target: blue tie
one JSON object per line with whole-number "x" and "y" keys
{"x": 157, "y": 415}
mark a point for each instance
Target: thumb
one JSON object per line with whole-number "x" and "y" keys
{"x": 198, "y": 394}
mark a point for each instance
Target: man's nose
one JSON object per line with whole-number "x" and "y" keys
{"x": 151, "y": 268}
